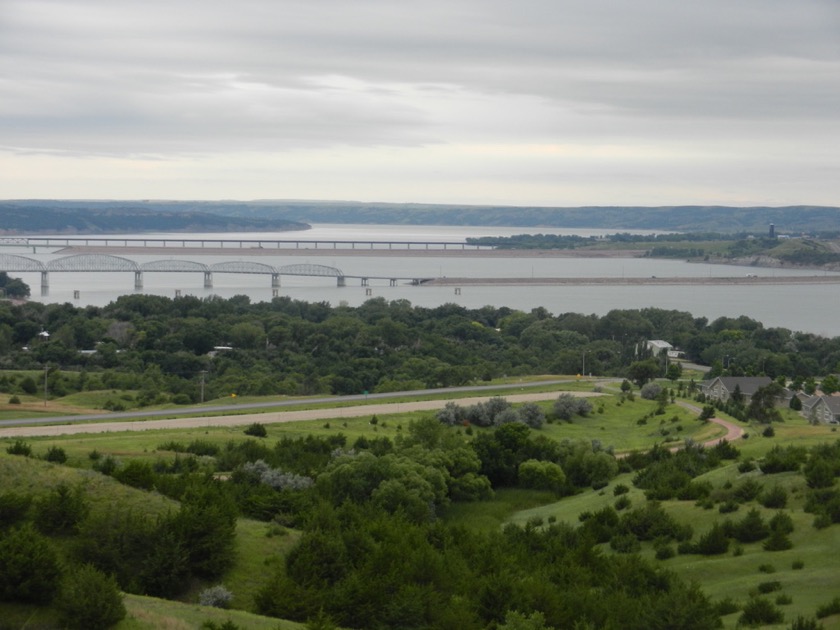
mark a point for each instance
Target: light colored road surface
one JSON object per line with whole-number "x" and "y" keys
{"x": 265, "y": 418}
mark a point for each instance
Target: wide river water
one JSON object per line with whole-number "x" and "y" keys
{"x": 805, "y": 307}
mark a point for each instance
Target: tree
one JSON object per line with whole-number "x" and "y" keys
{"x": 89, "y": 600}
{"x": 675, "y": 371}
{"x": 29, "y": 567}
{"x": 61, "y": 510}
{"x": 830, "y": 384}
{"x": 542, "y": 476}
{"x": 643, "y": 371}
{"x": 762, "y": 407}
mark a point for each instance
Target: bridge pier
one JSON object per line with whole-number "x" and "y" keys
{"x": 138, "y": 279}
{"x": 342, "y": 282}
{"x": 275, "y": 280}
{"x": 208, "y": 279}
{"x": 364, "y": 282}
{"x": 45, "y": 282}
{"x": 393, "y": 282}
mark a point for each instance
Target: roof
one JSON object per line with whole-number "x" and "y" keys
{"x": 747, "y": 384}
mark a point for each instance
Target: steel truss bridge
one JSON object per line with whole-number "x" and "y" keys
{"x": 108, "y": 263}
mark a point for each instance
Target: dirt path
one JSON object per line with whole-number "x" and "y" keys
{"x": 265, "y": 418}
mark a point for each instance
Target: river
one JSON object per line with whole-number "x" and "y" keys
{"x": 805, "y": 307}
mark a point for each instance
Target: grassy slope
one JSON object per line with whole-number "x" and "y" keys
{"x": 616, "y": 426}
{"x": 729, "y": 575}
{"x": 254, "y": 549}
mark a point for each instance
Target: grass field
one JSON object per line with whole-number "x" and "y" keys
{"x": 612, "y": 422}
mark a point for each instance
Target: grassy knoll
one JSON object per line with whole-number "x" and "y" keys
{"x": 808, "y": 572}
{"x": 146, "y": 613}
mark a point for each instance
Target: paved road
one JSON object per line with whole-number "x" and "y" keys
{"x": 239, "y": 407}
{"x": 265, "y": 418}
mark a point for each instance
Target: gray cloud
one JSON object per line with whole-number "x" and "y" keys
{"x": 175, "y": 78}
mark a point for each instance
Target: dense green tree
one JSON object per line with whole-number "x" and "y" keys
{"x": 30, "y": 570}
{"x": 89, "y": 600}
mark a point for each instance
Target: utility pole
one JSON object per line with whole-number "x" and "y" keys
{"x": 583, "y": 367}
{"x": 46, "y": 370}
{"x": 203, "y": 372}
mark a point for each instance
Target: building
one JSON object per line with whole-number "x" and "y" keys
{"x": 822, "y": 409}
{"x": 722, "y": 387}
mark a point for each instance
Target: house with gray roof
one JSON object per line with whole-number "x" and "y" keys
{"x": 822, "y": 409}
{"x": 721, "y": 388}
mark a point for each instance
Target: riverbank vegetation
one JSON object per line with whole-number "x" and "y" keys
{"x": 145, "y": 350}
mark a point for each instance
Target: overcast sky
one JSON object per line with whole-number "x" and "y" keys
{"x": 533, "y": 102}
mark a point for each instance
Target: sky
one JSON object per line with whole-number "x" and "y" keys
{"x": 533, "y": 102}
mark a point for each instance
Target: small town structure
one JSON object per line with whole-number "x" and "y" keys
{"x": 656, "y": 346}
{"x": 822, "y": 409}
{"x": 721, "y": 388}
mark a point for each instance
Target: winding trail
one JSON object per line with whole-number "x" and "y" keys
{"x": 733, "y": 431}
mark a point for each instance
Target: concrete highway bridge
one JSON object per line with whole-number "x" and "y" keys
{"x": 98, "y": 263}
{"x": 227, "y": 243}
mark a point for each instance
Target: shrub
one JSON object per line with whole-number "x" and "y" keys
{"x": 778, "y": 541}
{"x": 747, "y": 491}
{"x": 769, "y": 432}
{"x": 61, "y": 510}
{"x": 759, "y": 611}
{"x": 766, "y": 568}
{"x": 19, "y": 448}
{"x": 829, "y": 609}
{"x": 769, "y": 587}
{"x": 90, "y": 600}
{"x": 217, "y": 596}
{"x": 774, "y": 498}
{"x": 29, "y": 567}
{"x": 797, "y": 565}
{"x": 783, "y": 599}
{"x": 13, "y": 508}
{"x": 14, "y": 400}
{"x": 748, "y": 465}
{"x": 624, "y": 543}
{"x": 665, "y": 552}
{"x": 805, "y": 623}
{"x": 620, "y": 489}
{"x": 56, "y": 455}
{"x": 650, "y": 391}
{"x": 622, "y": 503}
{"x": 781, "y": 521}
{"x": 258, "y": 430}
{"x": 713, "y": 542}
{"x": 726, "y": 606}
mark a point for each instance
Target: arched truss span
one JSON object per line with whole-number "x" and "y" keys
{"x": 310, "y": 270}
{"x": 174, "y": 265}
{"x": 92, "y": 262}
{"x": 11, "y": 262}
{"x": 242, "y": 266}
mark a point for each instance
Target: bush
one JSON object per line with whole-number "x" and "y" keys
{"x": 805, "y": 623}
{"x": 29, "y": 567}
{"x": 61, "y": 510}
{"x": 622, "y": 503}
{"x": 713, "y": 542}
{"x": 90, "y": 600}
{"x": 56, "y": 455}
{"x": 13, "y": 508}
{"x": 769, "y": 587}
{"x": 14, "y": 400}
{"x": 769, "y": 432}
{"x": 829, "y": 609}
{"x": 797, "y": 565}
{"x": 217, "y": 596}
{"x": 624, "y": 543}
{"x": 759, "y": 611}
{"x": 19, "y": 448}
{"x": 620, "y": 489}
{"x": 766, "y": 568}
{"x": 665, "y": 552}
{"x": 726, "y": 606}
{"x": 773, "y": 498}
{"x": 778, "y": 541}
{"x": 650, "y": 391}
{"x": 256, "y": 430}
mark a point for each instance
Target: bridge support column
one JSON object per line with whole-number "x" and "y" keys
{"x": 275, "y": 280}
{"x": 208, "y": 279}
{"x": 45, "y": 281}
{"x": 393, "y": 282}
{"x": 364, "y": 282}
{"x": 138, "y": 279}
{"x": 342, "y": 282}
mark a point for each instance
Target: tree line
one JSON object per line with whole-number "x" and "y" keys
{"x": 176, "y": 350}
